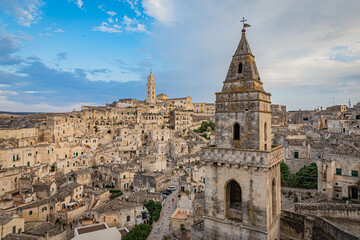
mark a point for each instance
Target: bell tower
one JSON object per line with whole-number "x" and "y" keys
{"x": 150, "y": 89}
{"x": 242, "y": 190}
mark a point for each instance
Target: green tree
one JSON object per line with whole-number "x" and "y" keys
{"x": 284, "y": 172}
{"x": 139, "y": 232}
{"x": 154, "y": 209}
{"x": 307, "y": 176}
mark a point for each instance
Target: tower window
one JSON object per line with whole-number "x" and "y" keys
{"x": 236, "y": 131}
{"x": 240, "y": 68}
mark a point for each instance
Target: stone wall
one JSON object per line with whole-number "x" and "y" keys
{"x": 335, "y": 210}
{"x": 298, "y": 226}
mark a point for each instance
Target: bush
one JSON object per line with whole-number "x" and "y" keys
{"x": 204, "y": 127}
{"x": 154, "y": 209}
{"x": 94, "y": 166}
{"x": 116, "y": 194}
{"x": 115, "y": 190}
{"x": 182, "y": 228}
{"x": 139, "y": 232}
{"x": 304, "y": 178}
{"x": 307, "y": 177}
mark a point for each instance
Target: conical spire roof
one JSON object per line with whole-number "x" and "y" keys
{"x": 243, "y": 66}
{"x": 150, "y": 78}
{"x": 243, "y": 47}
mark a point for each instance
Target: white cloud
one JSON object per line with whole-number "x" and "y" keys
{"x": 105, "y": 27}
{"x": 26, "y": 12}
{"x": 161, "y": 10}
{"x": 12, "y": 93}
{"x": 59, "y": 30}
{"x": 293, "y": 45}
{"x": 111, "y": 13}
{"x": 133, "y": 25}
{"x": 79, "y": 3}
{"x": 9, "y": 105}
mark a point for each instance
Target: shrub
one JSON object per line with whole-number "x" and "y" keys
{"x": 115, "y": 190}
{"x": 139, "y": 232}
{"x": 116, "y": 194}
{"x": 154, "y": 209}
{"x": 182, "y": 228}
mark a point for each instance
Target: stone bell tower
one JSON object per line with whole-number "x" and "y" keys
{"x": 150, "y": 89}
{"x": 242, "y": 190}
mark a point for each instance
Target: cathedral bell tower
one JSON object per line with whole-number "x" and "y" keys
{"x": 242, "y": 190}
{"x": 150, "y": 89}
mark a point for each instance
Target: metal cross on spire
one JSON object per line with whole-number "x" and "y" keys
{"x": 244, "y": 24}
{"x": 243, "y": 21}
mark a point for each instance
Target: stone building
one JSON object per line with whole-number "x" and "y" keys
{"x": 338, "y": 176}
{"x": 9, "y": 225}
{"x": 150, "y": 89}
{"x": 242, "y": 190}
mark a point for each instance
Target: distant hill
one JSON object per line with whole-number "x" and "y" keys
{"x": 19, "y": 113}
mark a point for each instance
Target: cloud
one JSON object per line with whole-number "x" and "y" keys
{"x": 115, "y": 26}
{"x": 111, "y": 13}
{"x": 43, "y": 86}
{"x": 105, "y": 27}
{"x": 61, "y": 56}
{"x": 102, "y": 70}
{"x": 133, "y": 6}
{"x": 59, "y": 30}
{"x": 296, "y": 54}
{"x": 8, "y": 46}
{"x": 133, "y": 25}
{"x": 79, "y": 3}
{"x": 13, "y": 93}
{"x": 161, "y": 10}
{"x": 26, "y": 12}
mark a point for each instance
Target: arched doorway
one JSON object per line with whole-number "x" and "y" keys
{"x": 233, "y": 201}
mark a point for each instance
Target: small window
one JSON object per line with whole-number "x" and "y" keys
{"x": 128, "y": 218}
{"x": 236, "y": 131}
{"x": 354, "y": 173}
{"x": 338, "y": 171}
{"x": 30, "y": 212}
{"x": 296, "y": 154}
{"x": 14, "y": 229}
{"x": 240, "y": 68}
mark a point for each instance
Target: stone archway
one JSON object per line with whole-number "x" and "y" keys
{"x": 233, "y": 200}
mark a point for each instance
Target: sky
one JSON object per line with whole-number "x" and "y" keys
{"x": 56, "y": 56}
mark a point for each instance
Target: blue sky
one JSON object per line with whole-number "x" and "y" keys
{"x": 59, "y": 55}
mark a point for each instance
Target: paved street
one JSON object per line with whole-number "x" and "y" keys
{"x": 161, "y": 227}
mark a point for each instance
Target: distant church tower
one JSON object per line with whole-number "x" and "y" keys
{"x": 242, "y": 190}
{"x": 150, "y": 89}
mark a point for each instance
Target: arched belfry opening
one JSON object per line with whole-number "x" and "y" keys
{"x": 273, "y": 198}
{"x": 240, "y": 68}
{"x": 233, "y": 200}
{"x": 236, "y": 131}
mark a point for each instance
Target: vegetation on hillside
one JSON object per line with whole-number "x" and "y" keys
{"x": 204, "y": 127}
{"x": 139, "y": 232}
{"x": 304, "y": 178}
{"x": 154, "y": 209}
{"x": 115, "y": 193}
